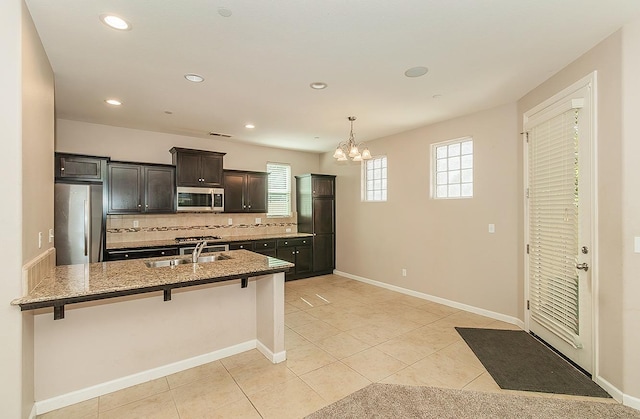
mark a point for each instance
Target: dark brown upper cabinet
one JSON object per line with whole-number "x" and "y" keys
{"x": 141, "y": 188}
{"x": 76, "y": 167}
{"x": 245, "y": 191}
{"x": 198, "y": 167}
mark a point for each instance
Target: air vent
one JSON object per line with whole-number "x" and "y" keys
{"x": 217, "y": 134}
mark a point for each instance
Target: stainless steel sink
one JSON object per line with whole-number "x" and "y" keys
{"x": 212, "y": 258}
{"x": 164, "y": 263}
{"x": 182, "y": 261}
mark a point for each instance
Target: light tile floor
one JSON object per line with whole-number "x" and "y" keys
{"x": 341, "y": 335}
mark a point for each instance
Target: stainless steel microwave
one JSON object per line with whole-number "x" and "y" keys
{"x": 200, "y": 199}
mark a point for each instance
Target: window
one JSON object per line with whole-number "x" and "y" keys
{"x": 279, "y": 190}
{"x": 453, "y": 169}
{"x": 374, "y": 179}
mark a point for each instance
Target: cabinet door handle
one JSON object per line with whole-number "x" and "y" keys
{"x": 162, "y": 253}
{"x": 265, "y": 245}
{"x": 126, "y": 255}
{"x": 139, "y": 206}
{"x": 146, "y": 206}
{"x": 293, "y": 253}
{"x": 249, "y": 206}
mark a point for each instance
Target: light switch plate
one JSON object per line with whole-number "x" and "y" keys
{"x": 230, "y": 221}
{"x": 492, "y": 228}
{"x": 636, "y": 244}
{"x": 136, "y": 224}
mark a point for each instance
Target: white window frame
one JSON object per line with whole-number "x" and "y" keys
{"x": 286, "y": 191}
{"x": 365, "y": 180}
{"x": 446, "y": 172}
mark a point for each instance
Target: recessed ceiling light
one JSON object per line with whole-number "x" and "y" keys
{"x": 115, "y": 22}
{"x": 114, "y": 102}
{"x": 224, "y": 12}
{"x": 250, "y": 126}
{"x": 196, "y": 78}
{"x": 318, "y": 85}
{"x": 416, "y": 72}
{"x": 168, "y": 112}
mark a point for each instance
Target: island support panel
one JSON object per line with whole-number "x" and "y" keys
{"x": 102, "y": 347}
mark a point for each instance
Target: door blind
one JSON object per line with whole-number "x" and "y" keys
{"x": 553, "y": 225}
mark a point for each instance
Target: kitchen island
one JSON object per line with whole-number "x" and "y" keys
{"x": 119, "y": 331}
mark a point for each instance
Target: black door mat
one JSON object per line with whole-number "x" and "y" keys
{"x": 518, "y": 361}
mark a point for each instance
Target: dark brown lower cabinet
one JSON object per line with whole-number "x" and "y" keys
{"x": 298, "y": 252}
{"x": 323, "y": 253}
{"x": 126, "y": 254}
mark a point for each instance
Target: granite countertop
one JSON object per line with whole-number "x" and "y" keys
{"x": 228, "y": 239}
{"x": 92, "y": 281}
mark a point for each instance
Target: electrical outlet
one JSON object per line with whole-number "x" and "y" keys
{"x": 136, "y": 224}
{"x": 288, "y": 230}
{"x": 50, "y": 235}
{"x": 230, "y": 221}
{"x": 258, "y": 220}
{"x": 40, "y": 240}
{"x": 492, "y": 228}
{"x": 404, "y": 272}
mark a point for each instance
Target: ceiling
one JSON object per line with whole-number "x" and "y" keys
{"x": 258, "y": 62}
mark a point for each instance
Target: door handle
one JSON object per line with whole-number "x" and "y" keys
{"x": 87, "y": 210}
{"x": 583, "y": 266}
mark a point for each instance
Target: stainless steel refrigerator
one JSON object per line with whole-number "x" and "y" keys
{"x": 78, "y": 223}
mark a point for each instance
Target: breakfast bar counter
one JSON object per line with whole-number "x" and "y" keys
{"x": 218, "y": 308}
{"x": 95, "y": 281}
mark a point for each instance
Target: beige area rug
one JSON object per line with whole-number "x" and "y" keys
{"x": 397, "y": 401}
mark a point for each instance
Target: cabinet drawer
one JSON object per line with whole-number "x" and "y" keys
{"x": 125, "y": 254}
{"x": 241, "y": 245}
{"x": 264, "y": 244}
{"x": 294, "y": 242}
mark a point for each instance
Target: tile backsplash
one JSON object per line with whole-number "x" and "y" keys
{"x": 153, "y": 227}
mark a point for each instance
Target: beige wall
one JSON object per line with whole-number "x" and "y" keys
{"x": 631, "y": 207}
{"x": 153, "y": 147}
{"x": 444, "y": 244}
{"x": 11, "y": 383}
{"x": 103, "y": 341}
{"x": 605, "y": 58}
{"x": 27, "y": 126}
{"x": 37, "y": 143}
{"x": 37, "y": 173}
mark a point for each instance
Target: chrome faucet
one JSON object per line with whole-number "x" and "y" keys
{"x": 197, "y": 250}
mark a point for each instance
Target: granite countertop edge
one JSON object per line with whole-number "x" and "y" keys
{"x": 72, "y": 281}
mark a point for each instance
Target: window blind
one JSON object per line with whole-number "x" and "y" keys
{"x": 279, "y": 190}
{"x": 553, "y": 225}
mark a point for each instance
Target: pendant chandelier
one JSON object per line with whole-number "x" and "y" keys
{"x": 350, "y": 149}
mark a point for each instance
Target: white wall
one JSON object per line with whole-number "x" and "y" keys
{"x": 444, "y": 244}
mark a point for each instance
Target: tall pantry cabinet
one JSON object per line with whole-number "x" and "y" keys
{"x": 316, "y": 206}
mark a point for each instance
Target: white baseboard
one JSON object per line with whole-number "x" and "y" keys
{"x": 631, "y": 401}
{"x": 44, "y": 406}
{"x": 443, "y": 301}
{"x": 610, "y": 388}
{"x": 276, "y": 358}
